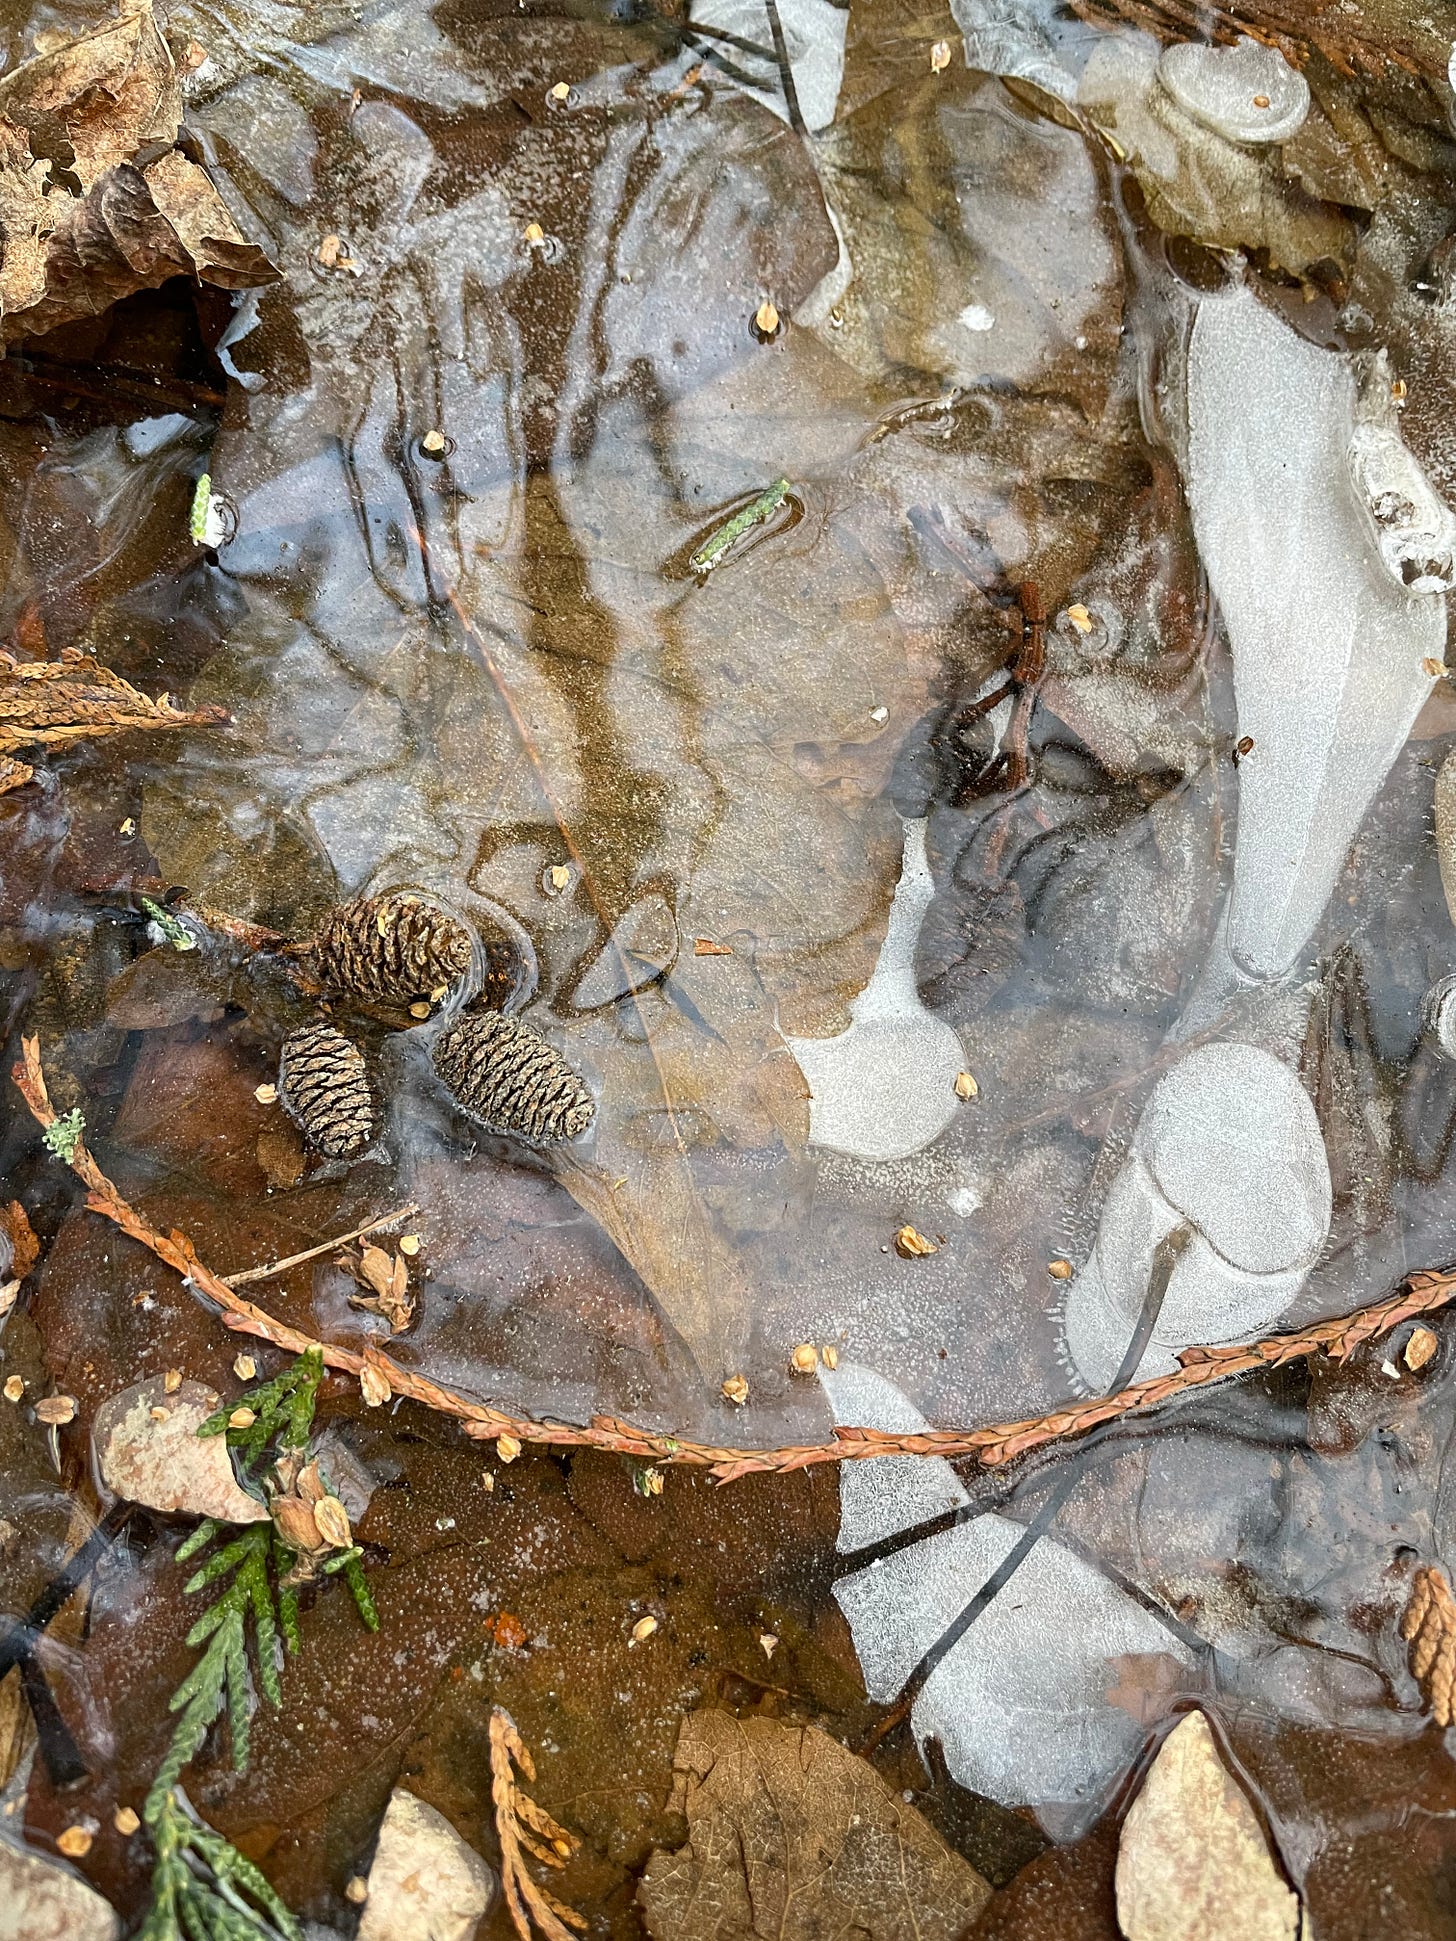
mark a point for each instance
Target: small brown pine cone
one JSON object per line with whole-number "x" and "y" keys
{"x": 391, "y": 949}
{"x": 503, "y": 1073}
{"x": 324, "y": 1087}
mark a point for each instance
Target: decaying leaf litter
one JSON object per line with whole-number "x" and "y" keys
{"x": 453, "y": 635}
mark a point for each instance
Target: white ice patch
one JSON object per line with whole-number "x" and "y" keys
{"x": 1011, "y": 37}
{"x": 1229, "y": 1144}
{"x": 1327, "y": 648}
{"x": 1246, "y": 93}
{"x": 976, "y": 316}
{"x": 885, "y": 1088}
{"x": 1021, "y": 1703}
{"x": 814, "y": 31}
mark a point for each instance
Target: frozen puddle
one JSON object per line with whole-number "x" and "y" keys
{"x": 886, "y": 1087}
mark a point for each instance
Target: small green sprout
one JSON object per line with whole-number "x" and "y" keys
{"x": 64, "y": 1135}
{"x": 201, "y": 506}
{"x": 177, "y": 934}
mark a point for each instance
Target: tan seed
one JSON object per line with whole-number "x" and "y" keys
{"x": 14, "y": 1388}
{"x": 75, "y": 1843}
{"x": 768, "y": 1643}
{"x": 409, "y": 1243}
{"x": 507, "y": 1448}
{"x": 940, "y": 57}
{"x": 433, "y": 442}
{"x": 534, "y": 233}
{"x": 266, "y": 1094}
{"x": 296, "y": 1522}
{"x": 333, "y": 1522}
{"x": 125, "y": 1821}
{"x": 562, "y": 91}
{"x": 1080, "y": 618}
{"x": 1435, "y": 668}
{"x": 1060, "y": 1270}
{"x": 1419, "y": 1349}
{"x": 1400, "y": 390}
{"x": 7, "y": 1296}
{"x": 911, "y": 1244}
{"x": 331, "y": 252}
{"x": 172, "y": 1381}
{"x": 373, "y": 1386}
{"x": 766, "y": 318}
{"x": 159, "y": 1414}
{"x": 241, "y": 1419}
{"x": 488, "y": 1480}
{"x": 128, "y": 828}
{"x": 245, "y": 1368}
{"x": 1261, "y": 100}
{"x": 56, "y": 1410}
{"x": 558, "y": 878}
{"x": 643, "y": 1629}
{"x": 805, "y": 1358}
{"x": 829, "y": 1354}
{"x": 357, "y": 1890}
{"x": 735, "y": 1390}
{"x": 419, "y": 1010}
{"x": 965, "y": 1086}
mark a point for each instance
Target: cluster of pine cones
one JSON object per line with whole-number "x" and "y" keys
{"x": 401, "y": 950}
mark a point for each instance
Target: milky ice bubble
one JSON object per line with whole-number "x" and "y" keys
{"x": 1246, "y": 93}
{"x": 1023, "y": 1703}
{"x": 885, "y": 1088}
{"x": 1331, "y": 653}
{"x": 1228, "y": 1149}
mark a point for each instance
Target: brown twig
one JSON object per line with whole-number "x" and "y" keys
{"x": 992, "y": 1446}
{"x": 520, "y": 1822}
{"x": 324, "y": 1247}
{"x": 1429, "y": 1628}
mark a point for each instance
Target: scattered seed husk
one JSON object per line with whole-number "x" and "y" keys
{"x": 76, "y": 1841}
{"x": 1080, "y": 618}
{"x": 829, "y": 1355}
{"x": 561, "y": 91}
{"x": 705, "y": 947}
{"x": 172, "y": 1381}
{"x": 533, "y": 234}
{"x": 1435, "y": 668}
{"x": 1420, "y": 1348}
{"x": 911, "y": 1244}
{"x": 766, "y": 319}
{"x": 940, "y": 57}
{"x": 333, "y": 1522}
{"x": 735, "y": 1390}
{"x": 643, "y": 1629}
{"x": 433, "y": 442}
{"x": 266, "y": 1094}
{"x": 356, "y": 1890}
{"x": 391, "y": 949}
{"x": 126, "y": 1821}
{"x": 241, "y": 1419}
{"x": 715, "y": 548}
{"x": 1060, "y": 1270}
{"x": 373, "y": 1386}
{"x": 245, "y": 1368}
{"x": 768, "y": 1643}
{"x": 297, "y": 1524}
{"x": 557, "y": 879}
{"x": 324, "y": 1086}
{"x": 487, "y": 1480}
{"x": 409, "y": 1243}
{"x": 965, "y": 1086}
{"x": 805, "y": 1358}
{"x": 507, "y": 1448}
{"x": 14, "y": 1388}
{"x": 159, "y": 1414}
{"x": 56, "y": 1410}
{"x": 503, "y": 1074}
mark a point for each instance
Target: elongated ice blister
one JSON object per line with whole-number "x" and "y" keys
{"x": 1228, "y": 1147}
{"x": 1328, "y": 644}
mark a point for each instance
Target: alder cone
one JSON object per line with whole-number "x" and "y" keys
{"x": 324, "y": 1086}
{"x": 391, "y": 949}
{"x": 503, "y": 1073}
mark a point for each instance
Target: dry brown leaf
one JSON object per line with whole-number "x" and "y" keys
{"x": 24, "y": 1247}
{"x": 84, "y": 224}
{"x": 50, "y": 704}
{"x": 1193, "y": 1859}
{"x": 386, "y": 1276}
{"x": 281, "y": 1153}
{"x": 14, "y": 775}
{"x": 792, "y": 1836}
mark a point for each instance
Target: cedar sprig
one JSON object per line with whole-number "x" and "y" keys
{"x": 521, "y": 1823}
{"x": 280, "y": 1411}
{"x": 203, "y": 1889}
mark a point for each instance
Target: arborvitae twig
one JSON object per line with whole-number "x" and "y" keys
{"x": 203, "y": 1889}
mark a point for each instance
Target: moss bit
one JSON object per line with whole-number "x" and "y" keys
{"x": 64, "y": 1134}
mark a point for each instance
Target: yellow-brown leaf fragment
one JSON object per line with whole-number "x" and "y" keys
{"x": 910, "y": 1244}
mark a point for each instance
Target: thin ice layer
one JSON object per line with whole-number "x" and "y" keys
{"x": 1327, "y": 649}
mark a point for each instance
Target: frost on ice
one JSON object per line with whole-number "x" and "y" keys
{"x": 1021, "y": 1703}
{"x": 886, "y": 1087}
{"x": 1246, "y": 93}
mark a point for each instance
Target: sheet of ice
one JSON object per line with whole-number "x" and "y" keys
{"x": 1413, "y": 529}
{"x": 742, "y": 33}
{"x": 1012, "y": 37}
{"x": 1229, "y": 1145}
{"x": 1246, "y": 93}
{"x": 1021, "y": 1704}
{"x": 1327, "y": 650}
{"x": 886, "y": 1087}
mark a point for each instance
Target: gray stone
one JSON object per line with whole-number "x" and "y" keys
{"x": 160, "y": 1460}
{"x": 43, "y": 1900}
{"x": 425, "y": 1884}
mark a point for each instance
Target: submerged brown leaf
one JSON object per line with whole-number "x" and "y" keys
{"x": 386, "y": 1276}
{"x": 51, "y": 704}
{"x": 89, "y": 209}
{"x": 792, "y": 1836}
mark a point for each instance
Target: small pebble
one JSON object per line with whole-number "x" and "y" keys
{"x": 562, "y": 91}
{"x": 125, "y": 1821}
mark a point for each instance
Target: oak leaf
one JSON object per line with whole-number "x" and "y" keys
{"x": 791, "y": 1836}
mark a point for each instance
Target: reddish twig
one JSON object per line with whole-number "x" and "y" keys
{"x": 992, "y": 1446}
